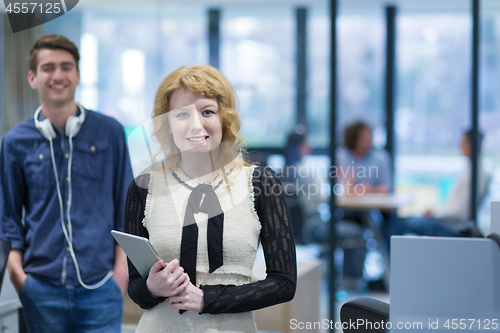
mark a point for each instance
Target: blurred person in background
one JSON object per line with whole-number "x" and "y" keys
{"x": 361, "y": 169}
{"x": 297, "y": 146}
{"x": 451, "y": 217}
{"x": 360, "y": 163}
{"x": 359, "y": 166}
{"x": 295, "y": 175}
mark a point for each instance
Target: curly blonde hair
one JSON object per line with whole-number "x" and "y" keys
{"x": 208, "y": 81}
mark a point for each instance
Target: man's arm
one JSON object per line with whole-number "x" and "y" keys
{"x": 15, "y": 267}
{"x": 123, "y": 177}
{"x": 120, "y": 270}
{"x": 12, "y": 197}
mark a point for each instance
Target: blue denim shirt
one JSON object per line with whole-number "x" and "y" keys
{"x": 29, "y": 205}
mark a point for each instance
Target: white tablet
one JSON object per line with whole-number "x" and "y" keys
{"x": 139, "y": 250}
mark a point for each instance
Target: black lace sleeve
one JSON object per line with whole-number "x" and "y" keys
{"x": 134, "y": 214}
{"x": 279, "y": 249}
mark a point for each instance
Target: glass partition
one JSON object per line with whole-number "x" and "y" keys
{"x": 433, "y": 105}
{"x": 126, "y": 50}
{"x": 489, "y": 104}
{"x": 258, "y": 57}
{"x": 360, "y": 66}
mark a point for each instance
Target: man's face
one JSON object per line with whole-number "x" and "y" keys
{"x": 56, "y": 77}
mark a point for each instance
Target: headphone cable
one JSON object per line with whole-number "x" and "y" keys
{"x": 68, "y": 233}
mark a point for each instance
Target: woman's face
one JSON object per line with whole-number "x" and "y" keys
{"x": 195, "y": 121}
{"x": 465, "y": 146}
{"x": 364, "y": 143}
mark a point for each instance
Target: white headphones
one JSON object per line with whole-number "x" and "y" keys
{"x": 73, "y": 124}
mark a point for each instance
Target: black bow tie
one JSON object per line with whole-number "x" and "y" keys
{"x": 189, "y": 243}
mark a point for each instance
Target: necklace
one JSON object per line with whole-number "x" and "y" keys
{"x": 206, "y": 183}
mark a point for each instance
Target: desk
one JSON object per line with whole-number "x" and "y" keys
{"x": 371, "y": 205}
{"x": 382, "y": 201}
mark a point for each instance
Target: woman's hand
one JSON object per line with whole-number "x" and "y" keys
{"x": 167, "y": 280}
{"x": 190, "y": 299}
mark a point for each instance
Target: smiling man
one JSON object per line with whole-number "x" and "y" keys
{"x": 64, "y": 175}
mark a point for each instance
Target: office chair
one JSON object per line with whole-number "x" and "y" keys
{"x": 373, "y": 313}
{"x": 349, "y": 233}
{"x": 353, "y": 237}
{"x": 350, "y": 238}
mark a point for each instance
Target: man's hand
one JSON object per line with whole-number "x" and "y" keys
{"x": 190, "y": 299}
{"x": 16, "y": 271}
{"x": 166, "y": 281}
{"x": 120, "y": 271}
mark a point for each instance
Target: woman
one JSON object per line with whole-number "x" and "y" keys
{"x": 362, "y": 169}
{"x": 208, "y": 260}
{"x": 362, "y": 165}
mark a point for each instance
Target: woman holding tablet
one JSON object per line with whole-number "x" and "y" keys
{"x": 204, "y": 210}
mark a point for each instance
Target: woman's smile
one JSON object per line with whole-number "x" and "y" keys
{"x": 199, "y": 140}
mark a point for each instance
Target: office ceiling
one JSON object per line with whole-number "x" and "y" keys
{"x": 344, "y": 5}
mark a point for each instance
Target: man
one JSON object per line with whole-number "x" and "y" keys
{"x": 62, "y": 250}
